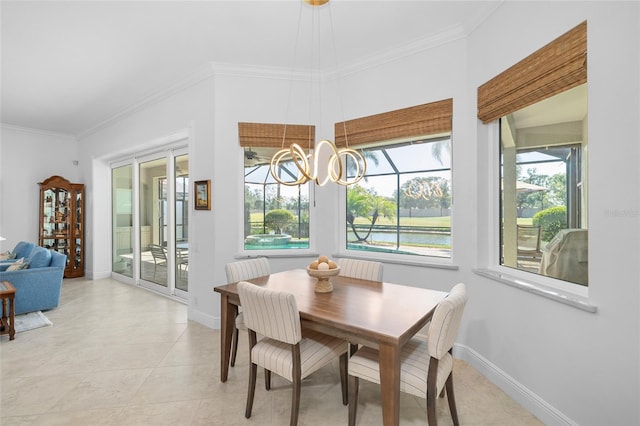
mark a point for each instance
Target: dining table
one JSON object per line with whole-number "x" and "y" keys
{"x": 376, "y": 314}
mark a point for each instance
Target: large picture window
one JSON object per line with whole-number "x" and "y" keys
{"x": 541, "y": 104}
{"x": 543, "y": 174}
{"x": 276, "y": 216}
{"x": 403, "y": 205}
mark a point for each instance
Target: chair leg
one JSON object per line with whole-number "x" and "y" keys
{"x": 297, "y": 382}
{"x": 267, "y": 379}
{"x": 234, "y": 347}
{"x": 353, "y": 399}
{"x": 344, "y": 373}
{"x": 452, "y": 399}
{"x": 253, "y": 370}
{"x": 432, "y": 376}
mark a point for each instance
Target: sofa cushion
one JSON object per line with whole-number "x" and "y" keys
{"x": 40, "y": 257}
{"x": 7, "y": 255}
{"x": 23, "y": 249}
{"x": 18, "y": 265}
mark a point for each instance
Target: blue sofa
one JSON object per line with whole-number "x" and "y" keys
{"x": 22, "y": 249}
{"x": 38, "y": 287}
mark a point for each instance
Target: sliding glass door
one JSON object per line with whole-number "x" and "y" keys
{"x": 122, "y": 219}
{"x": 182, "y": 203}
{"x": 151, "y": 221}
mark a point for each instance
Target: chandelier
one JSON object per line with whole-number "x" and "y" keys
{"x": 308, "y": 164}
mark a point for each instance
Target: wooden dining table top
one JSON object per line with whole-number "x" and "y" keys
{"x": 367, "y": 311}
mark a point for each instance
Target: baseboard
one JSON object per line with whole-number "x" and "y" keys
{"x": 204, "y": 319}
{"x": 90, "y": 275}
{"x": 548, "y": 414}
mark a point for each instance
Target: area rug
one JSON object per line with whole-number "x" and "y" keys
{"x": 30, "y": 321}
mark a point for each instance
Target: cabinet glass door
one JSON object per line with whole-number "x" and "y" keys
{"x": 56, "y": 220}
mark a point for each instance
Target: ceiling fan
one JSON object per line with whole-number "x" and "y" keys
{"x": 253, "y": 158}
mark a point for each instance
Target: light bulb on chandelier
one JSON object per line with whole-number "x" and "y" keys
{"x": 308, "y": 164}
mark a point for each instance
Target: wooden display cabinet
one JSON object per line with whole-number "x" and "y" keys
{"x": 62, "y": 221}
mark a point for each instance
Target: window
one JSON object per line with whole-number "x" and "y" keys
{"x": 543, "y": 214}
{"x": 541, "y": 103}
{"x": 276, "y": 216}
{"x": 403, "y": 204}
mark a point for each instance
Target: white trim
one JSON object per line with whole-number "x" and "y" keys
{"x": 570, "y": 299}
{"x": 36, "y": 131}
{"x": 540, "y": 408}
{"x": 399, "y": 259}
{"x": 203, "y": 318}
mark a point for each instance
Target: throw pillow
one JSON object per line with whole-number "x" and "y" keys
{"x": 40, "y": 257}
{"x": 18, "y": 265}
{"x": 7, "y": 256}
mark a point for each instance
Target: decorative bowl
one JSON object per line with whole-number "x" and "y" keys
{"x": 323, "y": 285}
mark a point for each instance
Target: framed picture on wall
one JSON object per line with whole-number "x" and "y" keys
{"x": 202, "y": 189}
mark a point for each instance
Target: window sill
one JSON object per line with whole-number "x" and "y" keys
{"x": 425, "y": 262}
{"x": 573, "y": 300}
{"x": 276, "y": 253}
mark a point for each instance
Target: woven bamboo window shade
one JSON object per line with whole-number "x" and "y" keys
{"x": 556, "y": 67}
{"x": 420, "y": 120}
{"x": 263, "y": 135}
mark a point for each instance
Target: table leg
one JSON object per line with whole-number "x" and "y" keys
{"x": 3, "y": 320}
{"x": 228, "y": 312}
{"x": 12, "y": 330}
{"x": 389, "y": 358}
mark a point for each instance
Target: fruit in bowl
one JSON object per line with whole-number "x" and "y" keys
{"x": 323, "y": 268}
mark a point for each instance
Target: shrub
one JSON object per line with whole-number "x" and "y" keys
{"x": 551, "y": 221}
{"x": 277, "y": 219}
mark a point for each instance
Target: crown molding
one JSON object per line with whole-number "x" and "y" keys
{"x": 36, "y": 131}
{"x": 405, "y": 50}
{"x": 199, "y": 75}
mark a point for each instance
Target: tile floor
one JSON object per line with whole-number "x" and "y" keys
{"x": 120, "y": 355}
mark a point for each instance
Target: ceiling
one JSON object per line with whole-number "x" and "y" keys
{"x": 69, "y": 66}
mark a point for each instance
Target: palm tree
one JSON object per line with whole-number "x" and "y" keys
{"x": 438, "y": 147}
{"x": 366, "y": 203}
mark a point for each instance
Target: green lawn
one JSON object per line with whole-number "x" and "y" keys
{"x": 437, "y": 221}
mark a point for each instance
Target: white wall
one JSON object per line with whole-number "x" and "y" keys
{"x": 583, "y": 365}
{"x": 27, "y": 157}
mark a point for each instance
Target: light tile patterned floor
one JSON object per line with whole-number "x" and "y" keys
{"x": 120, "y": 355}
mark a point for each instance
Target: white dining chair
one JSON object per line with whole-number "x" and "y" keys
{"x": 426, "y": 366}
{"x": 360, "y": 269}
{"x": 240, "y": 271}
{"x": 283, "y": 350}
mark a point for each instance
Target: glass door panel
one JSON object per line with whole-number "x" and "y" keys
{"x": 153, "y": 221}
{"x": 182, "y": 222}
{"x": 122, "y": 214}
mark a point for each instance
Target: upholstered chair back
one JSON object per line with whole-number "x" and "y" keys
{"x": 247, "y": 269}
{"x": 446, "y": 321}
{"x": 360, "y": 269}
{"x": 271, "y": 313}
{"x": 23, "y": 249}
